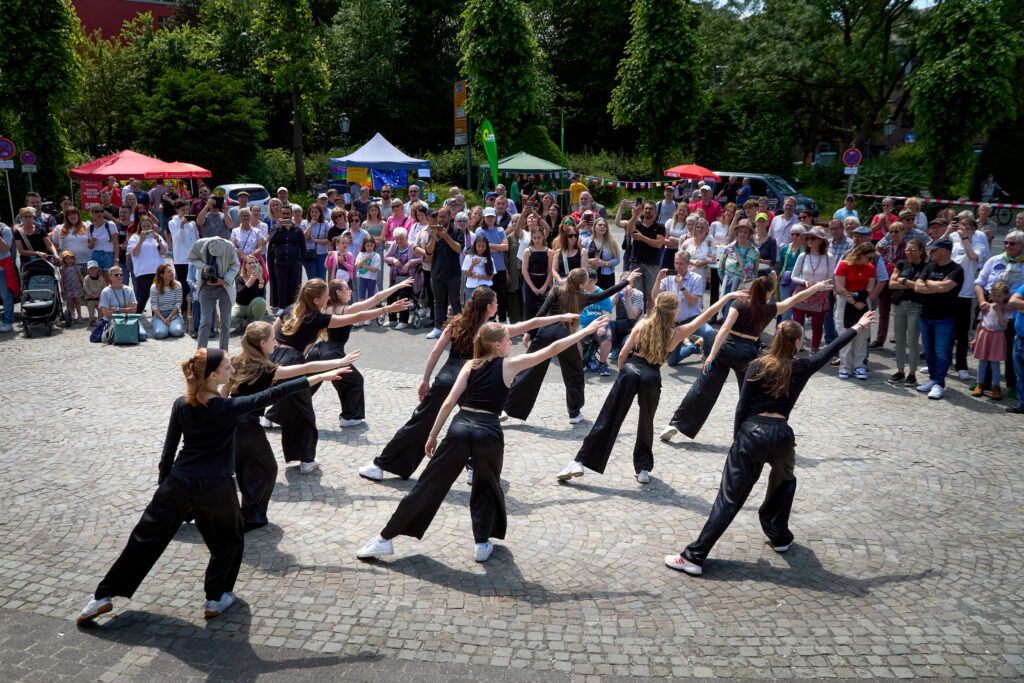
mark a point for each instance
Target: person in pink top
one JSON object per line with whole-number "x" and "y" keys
{"x": 397, "y": 219}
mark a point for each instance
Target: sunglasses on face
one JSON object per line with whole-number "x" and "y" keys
{"x": 115, "y": 274}
{"x": 573, "y": 234}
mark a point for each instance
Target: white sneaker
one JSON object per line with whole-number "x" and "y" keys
{"x": 469, "y": 477}
{"x": 937, "y": 392}
{"x": 387, "y": 323}
{"x": 342, "y": 422}
{"x": 377, "y": 547}
{"x": 94, "y": 608}
{"x": 503, "y": 417}
{"x": 573, "y": 469}
{"x": 215, "y": 608}
{"x": 424, "y": 312}
{"x": 371, "y": 471}
{"x": 401, "y": 326}
{"x": 576, "y": 419}
{"x": 844, "y": 374}
{"x": 6, "y": 328}
{"x": 782, "y": 548}
{"x": 308, "y": 467}
{"x": 667, "y": 433}
{"x": 684, "y": 565}
{"x": 927, "y": 386}
{"x": 860, "y": 373}
{"x": 963, "y": 374}
{"x": 643, "y": 476}
{"x": 266, "y": 424}
{"x": 434, "y": 334}
{"x": 482, "y": 551}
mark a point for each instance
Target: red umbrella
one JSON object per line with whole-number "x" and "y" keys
{"x": 176, "y": 169}
{"x": 124, "y": 164}
{"x": 693, "y": 172}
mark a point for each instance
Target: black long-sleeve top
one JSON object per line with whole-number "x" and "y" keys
{"x": 755, "y": 397}
{"x": 208, "y": 450}
{"x": 552, "y": 306}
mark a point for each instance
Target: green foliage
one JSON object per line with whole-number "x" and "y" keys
{"x": 961, "y": 64}
{"x": 904, "y": 176}
{"x": 271, "y": 168}
{"x": 657, "y": 78}
{"x": 534, "y": 140}
{"x": 1001, "y": 157}
{"x": 746, "y": 134}
{"x": 40, "y": 73}
{"x": 613, "y": 166}
{"x": 101, "y": 120}
{"x": 448, "y": 167}
{"x": 498, "y": 53}
{"x": 204, "y": 118}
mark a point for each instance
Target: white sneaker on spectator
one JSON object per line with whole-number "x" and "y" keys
{"x": 434, "y": 334}
{"x": 401, "y": 326}
{"x": 937, "y": 392}
{"x": 573, "y": 469}
{"x": 371, "y": 471}
{"x": 667, "y": 433}
{"x": 214, "y": 608}
{"x": 503, "y": 417}
{"x": 308, "y": 467}
{"x": 266, "y": 424}
{"x": 927, "y": 386}
{"x": 844, "y": 374}
{"x": 94, "y": 608}
{"x": 387, "y": 323}
{"x": 963, "y": 374}
{"x": 342, "y": 422}
{"x": 482, "y": 551}
{"x": 377, "y": 547}
{"x": 577, "y": 418}
{"x": 643, "y": 476}
{"x": 469, "y": 476}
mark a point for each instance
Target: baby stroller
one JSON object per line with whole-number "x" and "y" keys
{"x": 40, "y": 296}
{"x": 419, "y": 302}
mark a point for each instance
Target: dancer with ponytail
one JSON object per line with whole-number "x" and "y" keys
{"x": 403, "y": 454}
{"x": 332, "y": 346}
{"x": 474, "y": 435}
{"x": 640, "y": 361}
{"x": 736, "y": 344}
{"x": 568, "y": 297}
{"x": 762, "y": 435}
{"x": 255, "y": 465}
{"x": 296, "y": 330}
{"x": 196, "y": 483}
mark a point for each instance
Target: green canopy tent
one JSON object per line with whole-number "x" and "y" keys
{"x": 522, "y": 164}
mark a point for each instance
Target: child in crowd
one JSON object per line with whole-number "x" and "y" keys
{"x": 990, "y": 339}
{"x": 339, "y": 261}
{"x": 71, "y": 285}
{"x": 478, "y": 265}
{"x": 367, "y": 265}
{"x": 93, "y": 285}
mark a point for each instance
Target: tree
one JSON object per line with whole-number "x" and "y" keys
{"x": 499, "y": 53}
{"x": 201, "y": 117}
{"x": 658, "y": 92}
{"x": 293, "y": 57}
{"x": 963, "y": 84}
{"x": 40, "y": 73}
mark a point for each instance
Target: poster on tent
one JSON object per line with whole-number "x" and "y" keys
{"x": 338, "y": 169}
{"x": 389, "y": 177}
{"x": 90, "y": 192}
{"x": 358, "y": 176}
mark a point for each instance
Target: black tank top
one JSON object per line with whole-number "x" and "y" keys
{"x": 573, "y": 261}
{"x": 538, "y": 267}
{"x": 486, "y": 389}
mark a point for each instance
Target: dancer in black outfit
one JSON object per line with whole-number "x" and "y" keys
{"x": 569, "y": 297}
{"x": 332, "y": 346}
{"x": 762, "y": 435}
{"x": 255, "y": 466}
{"x": 296, "y": 330}
{"x": 197, "y": 483}
{"x": 403, "y": 454}
{"x": 474, "y": 435}
{"x": 646, "y": 348}
{"x": 736, "y": 344}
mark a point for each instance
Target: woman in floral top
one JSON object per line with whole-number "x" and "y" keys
{"x": 738, "y": 265}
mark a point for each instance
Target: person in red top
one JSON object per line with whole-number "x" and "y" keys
{"x": 881, "y": 221}
{"x": 115, "y": 191}
{"x": 855, "y": 278}
{"x": 712, "y": 209}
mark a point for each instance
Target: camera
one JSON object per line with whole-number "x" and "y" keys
{"x": 218, "y": 202}
{"x": 639, "y": 201}
{"x": 191, "y": 217}
{"x": 209, "y": 275}
{"x": 672, "y": 272}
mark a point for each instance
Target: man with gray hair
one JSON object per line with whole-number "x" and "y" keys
{"x": 1004, "y": 267}
{"x": 970, "y": 252}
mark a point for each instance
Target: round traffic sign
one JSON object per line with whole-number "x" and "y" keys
{"x": 852, "y": 156}
{"x": 28, "y": 157}
{"x": 6, "y": 149}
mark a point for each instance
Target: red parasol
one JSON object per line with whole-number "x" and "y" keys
{"x": 693, "y": 172}
{"x": 176, "y": 169}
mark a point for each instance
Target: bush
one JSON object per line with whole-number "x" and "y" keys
{"x": 534, "y": 140}
{"x": 905, "y": 175}
{"x": 272, "y": 168}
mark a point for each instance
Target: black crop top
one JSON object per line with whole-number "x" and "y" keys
{"x": 307, "y": 331}
{"x": 552, "y": 303}
{"x": 744, "y": 321}
{"x": 486, "y": 388}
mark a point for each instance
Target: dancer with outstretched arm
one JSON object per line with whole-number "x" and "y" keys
{"x": 474, "y": 435}
{"x": 197, "y": 482}
{"x": 640, "y": 361}
{"x": 762, "y": 435}
{"x": 403, "y": 454}
{"x": 735, "y": 346}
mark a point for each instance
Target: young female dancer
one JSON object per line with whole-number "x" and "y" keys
{"x": 474, "y": 435}
{"x": 640, "y": 360}
{"x": 569, "y": 297}
{"x": 762, "y": 435}
{"x": 332, "y": 346}
{"x": 536, "y": 270}
{"x": 197, "y": 483}
{"x": 296, "y": 330}
{"x": 735, "y": 346}
{"x": 255, "y": 465}
{"x": 403, "y": 454}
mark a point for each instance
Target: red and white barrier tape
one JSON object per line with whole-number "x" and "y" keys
{"x": 946, "y": 201}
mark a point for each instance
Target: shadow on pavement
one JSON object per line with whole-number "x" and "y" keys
{"x": 655, "y": 493}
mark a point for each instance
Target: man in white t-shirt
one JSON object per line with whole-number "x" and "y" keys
{"x": 782, "y": 224}
{"x": 183, "y": 233}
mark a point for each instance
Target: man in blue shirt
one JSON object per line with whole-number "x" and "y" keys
{"x": 847, "y": 210}
{"x": 689, "y": 287}
{"x": 1017, "y": 302}
{"x": 603, "y": 337}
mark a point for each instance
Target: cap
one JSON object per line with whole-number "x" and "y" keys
{"x": 490, "y": 194}
{"x": 243, "y": 193}
{"x": 862, "y": 230}
{"x": 489, "y": 211}
{"x": 591, "y": 274}
{"x": 705, "y": 187}
{"x": 850, "y": 196}
{"x": 816, "y": 232}
{"x": 322, "y": 195}
{"x": 92, "y": 264}
{"x": 906, "y": 213}
{"x": 64, "y": 254}
{"x": 943, "y": 243}
{"x": 761, "y": 216}
{"x": 281, "y": 188}
{"x": 939, "y": 222}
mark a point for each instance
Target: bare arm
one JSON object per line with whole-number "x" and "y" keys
{"x": 1017, "y": 302}
{"x": 360, "y": 316}
{"x": 446, "y": 408}
{"x": 289, "y": 371}
{"x": 786, "y": 304}
{"x": 516, "y": 329}
{"x": 516, "y": 365}
{"x": 627, "y": 348}
{"x": 435, "y": 355}
{"x": 378, "y": 297}
{"x": 723, "y": 334}
{"x": 684, "y": 331}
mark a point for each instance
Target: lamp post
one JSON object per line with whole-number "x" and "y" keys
{"x": 344, "y": 124}
{"x": 888, "y": 128}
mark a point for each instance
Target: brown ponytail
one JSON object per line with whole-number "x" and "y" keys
{"x": 194, "y": 370}
{"x": 776, "y": 366}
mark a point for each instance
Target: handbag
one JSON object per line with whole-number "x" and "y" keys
{"x": 99, "y": 331}
{"x": 124, "y": 328}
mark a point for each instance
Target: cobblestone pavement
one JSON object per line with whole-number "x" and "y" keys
{"x": 907, "y": 560}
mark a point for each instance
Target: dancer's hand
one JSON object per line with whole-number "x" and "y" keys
{"x": 398, "y": 306}
{"x": 526, "y": 339}
{"x": 328, "y": 376}
{"x": 738, "y": 294}
{"x": 422, "y": 390}
{"x": 707, "y": 364}
{"x": 823, "y": 286}
{"x": 568, "y": 317}
{"x": 407, "y": 282}
{"x": 868, "y": 318}
{"x": 597, "y": 324}
{"x": 633, "y": 275}
{"x": 431, "y": 446}
{"x": 351, "y": 358}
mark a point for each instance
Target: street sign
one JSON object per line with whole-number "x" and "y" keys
{"x": 850, "y": 170}
{"x": 6, "y": 149}
{"x": 461, "y": 130}
{"x": 909, "y": 137}
{"x": 7, "y": 164}
{"x": 28, "y": 168}
{"x": 462, "y": 139}
{"x": 852, "y": 156}
{"x": 27, "y": 157}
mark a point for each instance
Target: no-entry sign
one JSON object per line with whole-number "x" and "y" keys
{"x": 852, "y": 157}
{"x": 6, "y": 149}
{"x": 28, "y": 158}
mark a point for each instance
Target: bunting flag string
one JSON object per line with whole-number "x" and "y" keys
{"x": 606, "y": 182}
